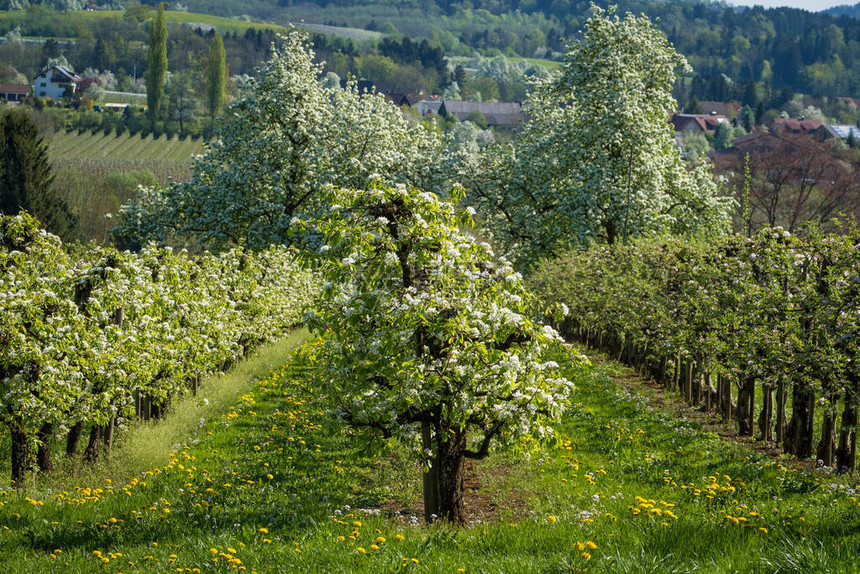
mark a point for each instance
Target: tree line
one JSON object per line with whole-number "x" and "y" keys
{"x": 761, "y": 330}
{"x": 93, "y": 338}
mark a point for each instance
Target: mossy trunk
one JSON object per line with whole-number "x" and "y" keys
{"x": 781, "y": 400}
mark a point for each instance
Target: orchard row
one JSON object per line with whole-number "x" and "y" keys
{"x": 91, "y": 337}
{"x": 764, "y": 330}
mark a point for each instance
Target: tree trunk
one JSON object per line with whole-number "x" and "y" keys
{"x": 43, "y": 455}
{"x": 687, "y": 376}
{"x": 826, "y": 450}
{"x": 73, "y": 438}
{"x": 91, "y": 453}
{"x": 724, "y": 389}
{"x": 746, "y": 405}
{"x": 695, "y": 384}
{"x": 846, "y": 454}
{"x": 451, "y": 471}
{"x": 798, "y": 437}
{"x": 430, "y": 478}
{"x": 108, "y": 433}
{"x": 765, "y": 417}
{"x": 781, "y": 400}
{"x": 20, "y": 451}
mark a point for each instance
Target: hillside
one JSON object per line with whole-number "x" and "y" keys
{"x": 98, "y": 146}
{"x": 96, "y": 173}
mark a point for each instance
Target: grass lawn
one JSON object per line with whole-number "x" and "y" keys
{"x": 253, "y": 475}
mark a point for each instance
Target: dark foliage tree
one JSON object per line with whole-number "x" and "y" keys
{"x": 216, "y": 77}
{"x": 26, "y": 177}
{"x": 156, "y": 70}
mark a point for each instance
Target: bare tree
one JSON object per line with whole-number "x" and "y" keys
{"x": 787, "y": 179}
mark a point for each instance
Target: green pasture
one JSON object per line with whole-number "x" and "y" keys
{"x": 253, "y": 475}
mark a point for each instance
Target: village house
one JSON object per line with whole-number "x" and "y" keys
{"x": 55, "y": 82}
{"x": 696, "y": 123}
{"x": 12, "y": 93}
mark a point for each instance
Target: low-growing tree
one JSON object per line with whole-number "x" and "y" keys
{"x": 430, "y": 337}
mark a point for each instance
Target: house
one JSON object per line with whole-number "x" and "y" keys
{"x": 502, "y": 115}
{"x": 842, "y": 131}
{"x": 696, "y": 123}
{"x": 797, "y": 126}
{"x": 14, "y": 92}
{"x": 429, "y": 106}
{"x": 726, "y": 109}
{"x": 55, "y": 82}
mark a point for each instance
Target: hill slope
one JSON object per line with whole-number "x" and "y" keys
{"x": 96, "y": 173}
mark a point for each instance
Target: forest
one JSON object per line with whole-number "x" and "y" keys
{"x": 749, "y": 55}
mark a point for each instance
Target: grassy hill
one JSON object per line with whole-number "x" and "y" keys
{"x": 97, "y": 172}
{"x": 99, "y": 147}
{"x": 266, "y": 482}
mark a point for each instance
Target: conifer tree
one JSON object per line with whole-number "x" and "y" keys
{"x": 156, "y": 70}
{"x": 26, "y": 177}
{"x": 216, "y": 77}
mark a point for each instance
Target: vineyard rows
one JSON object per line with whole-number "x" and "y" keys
{"x": 762, "y": 330}
{"x": 91, "y": 337}
{"x": 88, "y": 145}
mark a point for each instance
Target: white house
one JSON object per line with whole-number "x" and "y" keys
{"x": 54, "y": 82}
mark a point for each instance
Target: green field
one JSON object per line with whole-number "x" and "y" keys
{"x": 98, "y": 146}
{"x": 259, "y": 478}
{"x": 96, "y": 173}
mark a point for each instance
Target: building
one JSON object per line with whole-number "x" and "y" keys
{"x": 501, "y": 115}
{"x": 14, "y": 92}
{"x": 55, "y": 82}
{"x": 696, "y": 123}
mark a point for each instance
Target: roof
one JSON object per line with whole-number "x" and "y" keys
{"x": 500, "y": 114}
{"x": 704, "y": 122}
{"x": 64, "y": 71}
{"x": 797, "y": 126}
{"x": 15, "y": 88}
{"x": 727, "y": 109}
{"x": 404, "y": 99}
{"x": 842, "y": 131}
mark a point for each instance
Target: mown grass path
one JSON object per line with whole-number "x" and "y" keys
{"x": 269, "y": 483}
